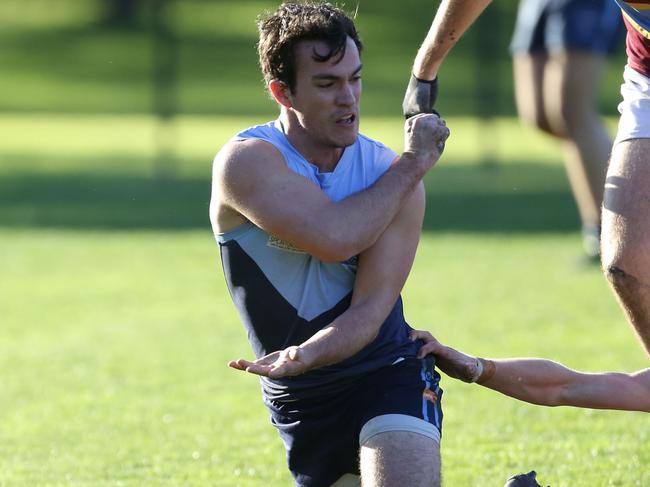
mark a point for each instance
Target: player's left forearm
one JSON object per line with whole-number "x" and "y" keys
{"x": 345, "y": 336}
{"x": 381, "y": 274}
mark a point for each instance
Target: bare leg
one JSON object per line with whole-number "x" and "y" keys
{"x": 400, "y": 458}
{"x": 528, "y": 72}
{"x": 557, "y": 94}
{"x": 626, "y": 232}
{"x": 571, "y": 89}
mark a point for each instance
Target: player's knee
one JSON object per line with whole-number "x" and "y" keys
{"x": 628, "y": 268}
{"x": 617, "y": 276}
{"x": 575, "y": 120}
{"x": 537, "y": 120}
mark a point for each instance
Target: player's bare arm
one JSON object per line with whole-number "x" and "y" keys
{"x": 452, "y": 19}
{"x": 382, "y": 272}
{"x": 543, "y": 382}
{"x": 251, "y": 181}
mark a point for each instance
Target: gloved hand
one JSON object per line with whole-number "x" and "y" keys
{"x": 420, "y": 97}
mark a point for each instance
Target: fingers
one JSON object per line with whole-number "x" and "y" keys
{"x": 269, "y": 358}
{"x": 275, "y": 365}
{"x": 431, "y": 345}
{"x": 248, "y": 366}
{"x": 239, "y": 364}
{"x": 256, "y": 367}
{"x": 259, "y": 369}
{"x": 421, "y": 335}
{"x": 431, "y": 130}
{"x": 429, "y": 348}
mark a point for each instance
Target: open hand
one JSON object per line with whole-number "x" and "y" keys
{"x": 282, "y": 363}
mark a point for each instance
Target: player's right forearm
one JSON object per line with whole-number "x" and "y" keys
{"x": 452, "y": 19}
{"x": 363, "y": 217}
{"x": 355, "y": 223}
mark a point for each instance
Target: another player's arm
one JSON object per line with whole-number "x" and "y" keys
{"x": 544, "y": 382}
{"x": 252, "y": 179}
{"x": 382, "y": 272}
{"x": 452, "y": 19}
{"x": 549, "y": 383}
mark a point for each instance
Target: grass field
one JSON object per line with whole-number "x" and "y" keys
{"x": 58, "y": 57}
{"x": 116, "y": 325}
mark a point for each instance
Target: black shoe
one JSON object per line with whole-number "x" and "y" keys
{"x": 523, "y": 480}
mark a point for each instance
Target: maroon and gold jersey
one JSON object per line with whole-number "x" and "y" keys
{"x": 638, "y": 49}
{"x": 637, "y": 20}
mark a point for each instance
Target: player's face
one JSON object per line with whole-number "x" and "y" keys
{"x": 327, "y": 94}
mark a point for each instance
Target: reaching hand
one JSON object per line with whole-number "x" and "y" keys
{"x": 452, "y": 362}
{"x": 283, "y": 363}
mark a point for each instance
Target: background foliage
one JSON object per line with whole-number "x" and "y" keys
{"x": 61, "y": 56}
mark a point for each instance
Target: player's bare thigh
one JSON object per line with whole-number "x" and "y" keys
{"x": 528, "y": 74}
{"x": 556, "y": 91}
{"x": 570, "y": 89}
{"x": 398, "y": 458}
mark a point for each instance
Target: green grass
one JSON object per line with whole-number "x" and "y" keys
{"x": 57, "y": 56}
{"x": 115, "y": 324}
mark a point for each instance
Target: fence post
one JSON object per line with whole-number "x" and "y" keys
{"x": 165, "y": 64}
{"x": 488, "y": 79}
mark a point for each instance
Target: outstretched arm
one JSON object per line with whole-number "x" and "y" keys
{"x": 541, "y": 381}
{"x": 452, "y": 19}
{"x": 381, "y": 274}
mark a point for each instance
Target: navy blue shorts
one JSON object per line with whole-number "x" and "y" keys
{"x": 322, "y": 434}
{"x": 560, "y": 25}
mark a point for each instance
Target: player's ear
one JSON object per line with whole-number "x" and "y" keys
{"x": 281, "y": 93}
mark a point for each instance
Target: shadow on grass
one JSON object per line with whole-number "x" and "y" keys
{"x": 512, "y": 198}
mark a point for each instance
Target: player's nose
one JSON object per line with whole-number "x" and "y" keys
{"x": 346, "y": 95}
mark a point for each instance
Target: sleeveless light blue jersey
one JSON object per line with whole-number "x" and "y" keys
{"x": 284, "y": 295}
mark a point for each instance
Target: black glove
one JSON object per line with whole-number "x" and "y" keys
{"x": 523, "y": 480}
{"x": 420, "y": 97}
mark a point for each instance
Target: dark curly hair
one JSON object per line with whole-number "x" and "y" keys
{"x": 295, "y": 22}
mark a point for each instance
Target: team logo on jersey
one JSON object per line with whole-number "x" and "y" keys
{"x": 280, "y": 244}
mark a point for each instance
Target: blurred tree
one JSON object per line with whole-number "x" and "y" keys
{"x": 120, "y": 13}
